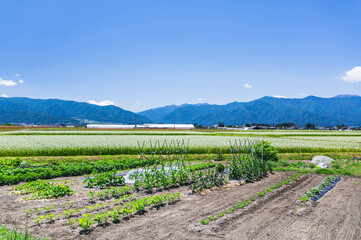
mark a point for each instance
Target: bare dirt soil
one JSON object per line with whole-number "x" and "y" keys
{"x": 337, "y": 215}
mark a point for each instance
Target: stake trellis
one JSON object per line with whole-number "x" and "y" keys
{"x": 163, "y": 158}
{"x": 247, "y": 159}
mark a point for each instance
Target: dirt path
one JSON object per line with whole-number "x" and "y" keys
{"x": 336, "y": 216}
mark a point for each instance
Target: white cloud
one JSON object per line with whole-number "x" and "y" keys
{"x": 17, "y": 75}
{"x": 279, "y": 96}
{"x": 21, "y": 81}
{"x": 102, "y": 103}
{"x": 7, "y": 83}
{"x": 200, "y": 99}
{"x": 247, "y": 85}
{"x": 353, "y": 75}
{"x": 4, "y": 95}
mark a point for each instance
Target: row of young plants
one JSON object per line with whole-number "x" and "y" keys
{"x": 47, "y": 208}
{"x": 12, "y": 175}
{"x": 67, "y": 214}
{"x": 41, "y": 189}
{"x": 114, "y": 192}
{"x": 245, "y": 203}
{"x": 50, "y": 216}
{"x": 125, "y": 210}
{"x": 314, "y": 192}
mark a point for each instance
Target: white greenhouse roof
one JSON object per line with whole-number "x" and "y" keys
{"x": 131, "y": 126}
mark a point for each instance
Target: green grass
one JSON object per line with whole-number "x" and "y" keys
{"x": 345, "y": 167}
{"x": 15, "y": 234}
{"x": 309, "y": 156}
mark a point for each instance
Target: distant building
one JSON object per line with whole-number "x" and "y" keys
{"x": 140, "y": 126}
{"x": 110, "y": 126}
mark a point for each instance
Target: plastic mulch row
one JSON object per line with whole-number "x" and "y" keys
{"x": 325, "y": 190}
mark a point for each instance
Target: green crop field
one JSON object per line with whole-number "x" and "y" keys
{"x": 71, "y": 143}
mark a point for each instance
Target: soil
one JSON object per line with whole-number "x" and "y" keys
{"x": 337, "y": 215}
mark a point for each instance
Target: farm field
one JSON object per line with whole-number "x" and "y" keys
{"x": 70, "y": 185}
{"x": 72, "y": 143}
{"x": 336, "y": 215}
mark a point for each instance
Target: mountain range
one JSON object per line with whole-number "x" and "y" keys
{"x": 321, "y": 111}
{"x": 333, "y": 111}
{"x": 44, "y": 111}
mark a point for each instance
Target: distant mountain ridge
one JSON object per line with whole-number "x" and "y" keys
{"x": 326, "y": 111}
{"x": 27, "y": 110}
{"x": 271, "y": 110}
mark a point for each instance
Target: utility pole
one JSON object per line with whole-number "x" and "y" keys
{"x": 48, "y": 119}
{"x": 317, "y": 120}
{"x": 135, "y": 122}
{"x": 174, "y": 122}
{"x": 299, "y": 123}
{"x": 341, "y": 121}
{"x": 4, "y": 117}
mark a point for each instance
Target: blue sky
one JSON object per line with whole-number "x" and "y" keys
{"x": 145, "y": 54}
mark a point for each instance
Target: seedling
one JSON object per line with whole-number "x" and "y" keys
{"x": 204, "y": 222}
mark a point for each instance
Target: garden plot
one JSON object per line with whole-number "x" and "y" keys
{"x": 271, "y": 218}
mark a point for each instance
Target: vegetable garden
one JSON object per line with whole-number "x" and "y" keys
{"x": 165, "y": 183}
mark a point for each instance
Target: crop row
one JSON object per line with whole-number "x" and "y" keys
{"x": 126, "y": 210}
{"x": 314, "y": 192}
{"x": 110, "y": 192}
{"x": 41, "y": 189}
{"x": 10, "y": 175}
{"x": 245, "y": 203}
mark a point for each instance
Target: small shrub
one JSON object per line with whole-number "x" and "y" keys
{"x": 312, "y": 165}
{"x": 298, "y": 165}
{"x": 220, "y": 168}
{"x": 219, "y": 157}
{"x": 269, "y": 151}
{"x": 272, "y": 164}
{"x": 336, "y": 166}
{"x": 24, "y": 164}
{"x": 283, "y": 163}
